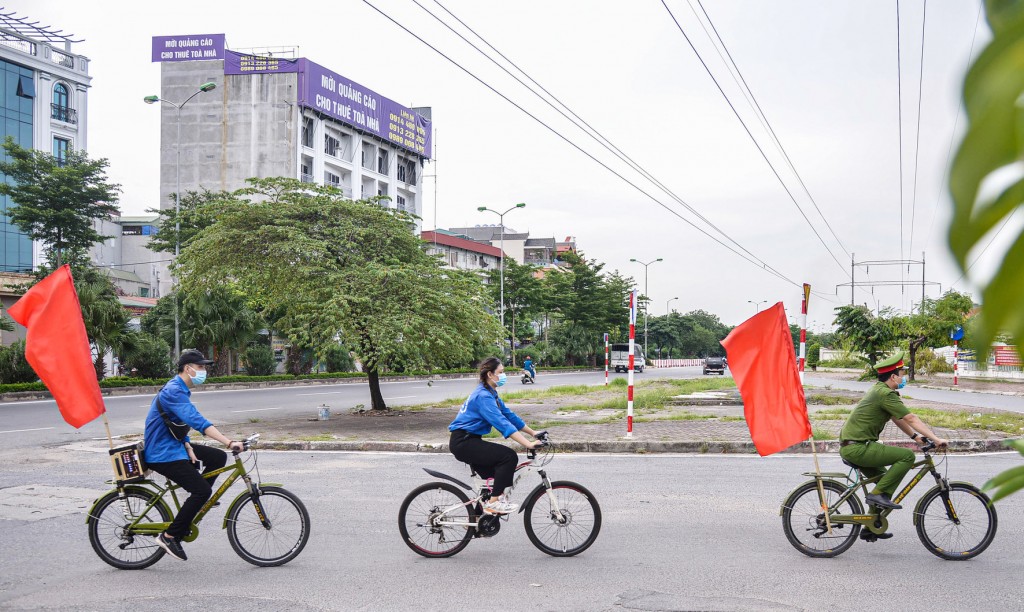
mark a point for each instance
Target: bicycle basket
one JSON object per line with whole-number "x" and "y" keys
{"x": 127, "y": 463}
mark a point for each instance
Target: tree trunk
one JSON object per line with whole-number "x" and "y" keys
{"x": 914, "y": 345}
{"x": 376, "y": 398}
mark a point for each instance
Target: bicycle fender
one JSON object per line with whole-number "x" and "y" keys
{"x": 917, "y": 508}
{"x": 436, "y": 474}
{"x": 535, "y": 490}
{"x": 238, "y": 499}
{"x": 813, "y": 481}
{"x": 89, "y": 514}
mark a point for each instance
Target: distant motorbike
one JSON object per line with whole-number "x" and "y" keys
{"x": 527, "y": 377}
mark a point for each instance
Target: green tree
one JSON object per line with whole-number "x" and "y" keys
{"x": 259, "y": 360}
{"x": 14, "y": 368}
{"x": 814, "y": 356}
{"x": 865, "y": 333}
{"x": 342, "y": 268}
{"x": 57, "y": 200}
{"x": 6, "y": 323}
{"x": 931, "y": 326}
{"x": 149, "y": 356}
{"x": 524, "y": 298}
{"x": 337, "y": 358}
{"x": 196, "y": 211}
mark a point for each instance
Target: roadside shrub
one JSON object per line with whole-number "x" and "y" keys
{"x": 150, "y": 357}
{"x": 259, "y": 360}
{"x": 927, "y": 362}
{"x": 849, "y": 360}
{"x": 338, "y": 359}
{"x": 814, "y": 355}
{"x": 14, "y": 368}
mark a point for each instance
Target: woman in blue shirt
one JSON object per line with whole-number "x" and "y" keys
{"x": 480, "y": 412}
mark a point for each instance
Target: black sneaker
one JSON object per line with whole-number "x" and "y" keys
{"x": 172, "y": 546}
{"x": 882, "y": 500}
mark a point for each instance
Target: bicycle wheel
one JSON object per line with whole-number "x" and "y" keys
{"x": 569, "y": 534}
{"x": 418, "y": 520}
{"x": 109, "y": 535}
{"x": 956, "y": 541}
{"x": 283, "y": 541}
{"x": 804, "y": 522}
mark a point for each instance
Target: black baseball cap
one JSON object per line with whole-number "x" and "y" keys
{"x": 192, "y": 356}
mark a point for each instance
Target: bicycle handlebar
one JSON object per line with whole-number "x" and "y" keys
{"x": 248, "y": 443}
{"x": 929, "y": 444}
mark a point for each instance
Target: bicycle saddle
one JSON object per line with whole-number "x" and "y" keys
{"x": 854, "y": 466}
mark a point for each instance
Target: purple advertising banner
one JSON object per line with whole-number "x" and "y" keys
{"x": 362, "y": 108}
{"x": 188, "y": 47}
{"x": 239, "y": 63}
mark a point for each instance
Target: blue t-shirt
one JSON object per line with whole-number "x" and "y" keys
{"x": 176, "y": 400}
{"x": 482, "y": 410}
{"x": 528, "y": 365}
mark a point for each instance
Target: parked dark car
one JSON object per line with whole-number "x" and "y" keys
{"x": 714, "y": 364}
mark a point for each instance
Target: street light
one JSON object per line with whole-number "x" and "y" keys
{"x": 757, "y": 305}
{"x": 501, "y": 260}
{"x": 667, "y": 311}
{"x": 646, "y": 294}
{"x": 177, "y": 197}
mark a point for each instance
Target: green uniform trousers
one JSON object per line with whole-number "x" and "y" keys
{"x": 873, "y": 457}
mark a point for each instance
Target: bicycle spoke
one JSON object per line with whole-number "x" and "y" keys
{"x": 957, "y": 540}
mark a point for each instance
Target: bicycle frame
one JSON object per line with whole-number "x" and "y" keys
{"x": 479, "y": 491}
{"x": 237, "y": 470}
{"x": 877, "y": 522}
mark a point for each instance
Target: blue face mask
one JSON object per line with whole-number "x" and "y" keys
{"x": 501, "y": 379}
{"x": 199, "y": 377}
{"x": 903, "y": 382}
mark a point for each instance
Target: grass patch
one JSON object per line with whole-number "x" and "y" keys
{"x": 1005, "y": 422}
{"x": 822, "y": 434}
{"x": 318, "y": 438}
{"x": 831, "y": 414}
{"x": 728, "y": 419}
{"x": 254, "y": 420}
{"x": 819, "y": 399}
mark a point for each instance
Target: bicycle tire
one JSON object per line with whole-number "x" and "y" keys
{"x": 803, "y": 506}
{"x": 420, "y": 507}
{"x": 107, "y": 526}
{"x": 946, "y": 539}
{"x": 581, "y": 514}
{"x": 288, "y": 533}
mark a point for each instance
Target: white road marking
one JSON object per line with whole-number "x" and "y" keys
{"x": 322, "y": 393}
{"x": 258, "y": 409}
{"x": 20, "y": 430}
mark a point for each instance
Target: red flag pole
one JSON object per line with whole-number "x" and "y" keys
{"x": 632, "y": 341}
{"x": 803, "y": 330}
{"x": 956, "y": 360}
{"x": 606, "y": 360}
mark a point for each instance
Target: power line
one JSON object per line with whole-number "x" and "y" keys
{"x": 917, "y": 145}
{"x": 760, "y": 114}
{"x": 990, "y": 241}
{"x": 754, "y": 140}
{"x": 762, "y": 265}
{"x": 578, "y": 121}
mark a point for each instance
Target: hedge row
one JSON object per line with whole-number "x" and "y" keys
{"x": 118, "y": 381}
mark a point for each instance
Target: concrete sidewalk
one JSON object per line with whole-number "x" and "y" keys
{"x": 705, "y": 427}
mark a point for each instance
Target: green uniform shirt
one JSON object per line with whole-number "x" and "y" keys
{"x": 872, "y": 413}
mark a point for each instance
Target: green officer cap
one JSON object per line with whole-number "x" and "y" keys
{"x": 890, "y": 364}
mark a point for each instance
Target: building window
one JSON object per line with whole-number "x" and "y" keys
{"x": 332, "y": 145}
{"x": 61, "y": 147}
{"x": 407, "y": 171}
{"x": 332, "y": 179}
{"x": 400, "y": 200}
{"x": 307, "y": 132}
{"x": 61, "y": 109}
{"x": 131, "y": 230}
{"x": 453, "y": 259}
{"x": 382, "y": 161}
{"x": 26, "y": 87}
{"x": 144, "y": 292}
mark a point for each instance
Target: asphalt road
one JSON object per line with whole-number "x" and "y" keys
{"x": 35, "y": 423}
{"x": 679, "y": 533}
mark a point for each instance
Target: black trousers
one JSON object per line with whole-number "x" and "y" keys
{"x": 186, "y": 474}
{"x": 487, "y": 459}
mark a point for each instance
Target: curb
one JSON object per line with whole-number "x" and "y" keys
{"x": 616, "y": 446}
{"x": 941, "y": 388}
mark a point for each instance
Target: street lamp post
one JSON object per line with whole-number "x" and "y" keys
{"x": 646, "y": 295}
{"x": 177, "y": 197}
{"x": 501, "y": 260}
{"x": 667, "y": 311}
{"x": 757, "y": 305}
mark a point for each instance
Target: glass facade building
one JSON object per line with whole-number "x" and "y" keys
{"x": 17, "y": 93}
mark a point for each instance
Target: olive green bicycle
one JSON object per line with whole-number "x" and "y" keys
{"x": 266, "y": 524}
{"x": 954, "y": 520}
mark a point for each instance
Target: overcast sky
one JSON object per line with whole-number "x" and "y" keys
{"x": 824, "y": 73}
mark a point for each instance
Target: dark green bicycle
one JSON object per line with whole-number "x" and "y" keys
{"x": 266, "y": 524}
{"x": 954, "y": 520}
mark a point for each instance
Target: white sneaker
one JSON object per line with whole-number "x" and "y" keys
{"x": 500, "y": 506}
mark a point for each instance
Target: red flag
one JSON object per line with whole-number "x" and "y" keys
{"x": 57, "y": 348}
{"x": 762, "y": 361}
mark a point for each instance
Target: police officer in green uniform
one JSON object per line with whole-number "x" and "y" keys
{"x": 859, "y": 437}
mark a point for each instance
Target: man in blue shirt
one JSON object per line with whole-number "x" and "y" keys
{"x": 528, "y": 366}
{"x": 173, "y": 455}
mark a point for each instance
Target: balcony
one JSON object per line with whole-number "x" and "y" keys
{"x": 62, "y": 59}
{"x": 306, "y": 178}
{"x": 63, "y": 113}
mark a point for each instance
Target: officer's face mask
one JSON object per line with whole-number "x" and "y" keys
{"x": 903, "y": 382}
